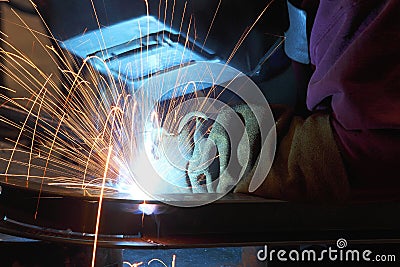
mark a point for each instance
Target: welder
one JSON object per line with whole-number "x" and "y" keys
{"x": 345, "y": 147}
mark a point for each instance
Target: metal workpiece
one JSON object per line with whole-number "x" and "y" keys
{"x": 124, "y": 223}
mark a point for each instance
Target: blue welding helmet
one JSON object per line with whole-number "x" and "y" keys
{"x": 213, "y": 35}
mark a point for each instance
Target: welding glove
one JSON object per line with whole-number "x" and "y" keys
{"x": 220, "y": 156}
{"x": 307, "y": 165}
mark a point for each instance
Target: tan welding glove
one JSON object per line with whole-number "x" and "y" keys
{"x": 307, "y": 165}
{"x": 221, "y": 156}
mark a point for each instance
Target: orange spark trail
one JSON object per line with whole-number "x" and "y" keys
{"x": 165, "y": 15}
{"x": 211, "y": 25}
{"x": 96, "y": 234}
{"x": 183, "y": 18}
{"x": 239, "y": 43}
{"x": 247, "y": 32}
{"x": 34, "y": 131}
{"x": 99, "y": 26}
{"x": 34, "y": 35}
{"x": 172, "y": 18}
{"x": 47, "y": 163}
{"x": 23, "y": 126}
{"x": 148, "y": 34}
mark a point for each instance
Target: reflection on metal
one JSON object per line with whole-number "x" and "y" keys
{"x": 147, "y": 209}
{"x": 15, "y": 239}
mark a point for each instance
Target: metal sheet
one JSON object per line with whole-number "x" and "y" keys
{"x": 235, "y": 220}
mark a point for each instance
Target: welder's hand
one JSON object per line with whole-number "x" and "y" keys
{"x": 225, "y": 150}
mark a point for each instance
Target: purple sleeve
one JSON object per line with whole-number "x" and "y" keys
{"x": 355, "y": 47}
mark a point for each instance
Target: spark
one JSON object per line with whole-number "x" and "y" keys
{"x": 165, "y": 15}
{"x": 172, "y": 16}
{"x": 182, "y": 20}
{"x": 96, "y": 234}
{"x": 211, "y": 24}
{"x": 31, "y": 154}
{"x": 247, "y": 32}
